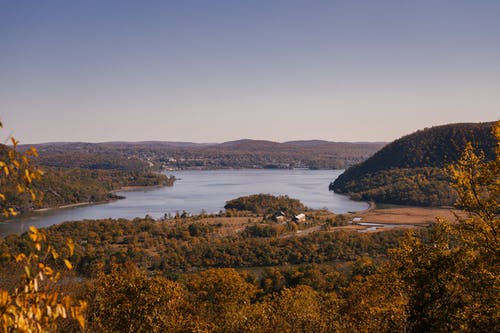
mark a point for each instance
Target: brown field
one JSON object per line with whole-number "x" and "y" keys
{"x": 408, "y": 215}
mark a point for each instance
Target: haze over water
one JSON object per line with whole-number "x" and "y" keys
{"x": 197, "y": 191}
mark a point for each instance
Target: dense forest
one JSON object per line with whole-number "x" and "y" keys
{"x": 185, "y": 244}
{"x": 266, "y": 204}
{"x": 411, "y": 170}
{"x": 314, "y": 154}
{"x": 63, "y": 186}
{"x": 88, "y": 178}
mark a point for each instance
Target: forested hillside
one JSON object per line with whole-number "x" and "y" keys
{"x": 184, "y": 155}
{"x": 63, "y": 186}
{"x": 410, "y": 170}
{"x": 77, "y": 179}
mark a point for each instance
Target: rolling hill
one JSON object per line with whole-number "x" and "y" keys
{"x": 245, "y": 153}
{"x": 410, "y": 170}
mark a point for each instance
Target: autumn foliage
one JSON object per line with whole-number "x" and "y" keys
{"x": 151, "y": 276}
{"x": 17, "y": 174}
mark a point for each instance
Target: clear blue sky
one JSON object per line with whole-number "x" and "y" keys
{"x": 212, "y": 71}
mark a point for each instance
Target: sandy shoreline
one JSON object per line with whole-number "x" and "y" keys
{"x": 71, "y": 206}
{"x": 137, "y": 188}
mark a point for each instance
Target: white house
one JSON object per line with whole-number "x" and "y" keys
{"x": 299, "y": 218}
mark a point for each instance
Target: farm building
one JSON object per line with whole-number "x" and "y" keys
{"x": 299, "y": 218}
{"x": 279, "y": 217}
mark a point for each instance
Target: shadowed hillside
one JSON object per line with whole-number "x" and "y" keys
{"x": 410, "y": 169}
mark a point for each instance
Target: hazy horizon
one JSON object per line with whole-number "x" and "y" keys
{"x": 218, "y": 71}
{"x": 193, "y": 142}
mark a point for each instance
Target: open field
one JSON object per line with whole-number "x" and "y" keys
{"x": 407, "y": 215}
{"x": 317, "y": 220}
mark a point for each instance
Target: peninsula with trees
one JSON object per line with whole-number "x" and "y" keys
{"x": 413, "y": 169}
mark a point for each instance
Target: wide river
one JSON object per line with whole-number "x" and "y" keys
{"x": 196, "y": 191}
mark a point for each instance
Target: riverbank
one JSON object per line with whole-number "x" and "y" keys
{"x": 139, "y": 188}
{"x": 111, "y": 199}
{"x": 79, "y": 204}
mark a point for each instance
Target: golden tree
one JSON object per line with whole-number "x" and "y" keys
{"x": 16, "y": 177}
{"x": 452, "y": 279}
{"x": 477, "y": 182}
{"x": 375, "y": 303}
{"x": 127, "y": 300}
{"x": 35, "y": 305}
{"x": 222, "y": 299}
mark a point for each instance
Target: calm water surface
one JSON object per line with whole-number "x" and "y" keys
{"x": 197, "y": 191}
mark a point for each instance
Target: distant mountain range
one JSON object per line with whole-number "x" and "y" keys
{"x": 243, "y": 153}
{"x": 410, "y": 170}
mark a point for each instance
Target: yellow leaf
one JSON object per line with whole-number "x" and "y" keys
{"x": 71, "y": 246}
{"x": 27, "y": 176}
{"x": 4, "y": 298}
{"x": 34, "y": 151}
{"x": 77, "y": 312}
{"x": 27, "y": 270}
{"x": 20, "y": 257}
{"x": 68, "y": 264}
{"x": 14, "y": 141}
{"x": 54, "y": 253}
{"x": 48, "y": 271}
